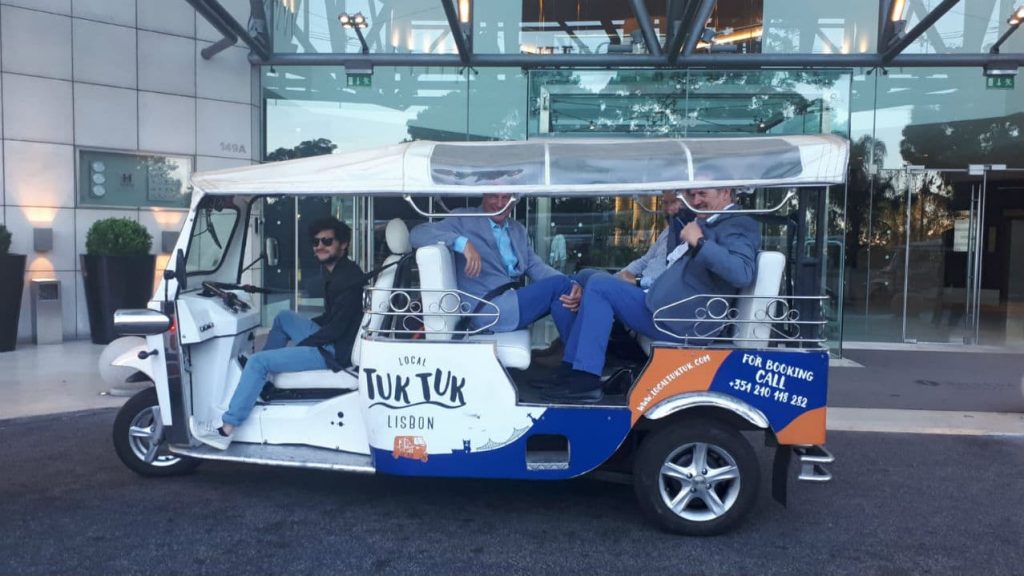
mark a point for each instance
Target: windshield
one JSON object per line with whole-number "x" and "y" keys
{"x": 214, "y": 226}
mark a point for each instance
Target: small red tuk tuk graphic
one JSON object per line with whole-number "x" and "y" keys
{"x": 412, "y": 447}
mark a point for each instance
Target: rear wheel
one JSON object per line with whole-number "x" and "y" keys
{"x": 697, "y": 478}
{"x": 140, "y": 442}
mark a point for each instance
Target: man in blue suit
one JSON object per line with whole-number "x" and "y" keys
{"x": 493, "y": 252}
{"x": 716, "y": 255}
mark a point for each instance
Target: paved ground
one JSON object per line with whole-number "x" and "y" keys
{"x": 958, "y": 381}
{"x": 899, "y": 504}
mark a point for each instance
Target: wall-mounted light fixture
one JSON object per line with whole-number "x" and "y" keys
{"x": 168, "y": 238}
{"x": 1014, "y": 22}
{"x": 42, "y": 239}
{"x": 355, "y": 22}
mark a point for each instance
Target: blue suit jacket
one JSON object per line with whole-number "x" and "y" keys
{"x": 724, "y": 266}
{"x": 492, "y": 268}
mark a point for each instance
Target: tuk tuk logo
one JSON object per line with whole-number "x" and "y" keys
{"x": 396, "y": 391}
{"x": 411, "y": 447}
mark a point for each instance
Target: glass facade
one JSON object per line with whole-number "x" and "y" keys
{"x": 918, "y": 246}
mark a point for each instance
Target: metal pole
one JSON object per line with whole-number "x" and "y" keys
{"x": 697, "y": 26}
{"x": 906, "y": 257}
{"x": 969, "y": 280}
{"x": 981, "y": 252}
{"x": 462, "y": 43}
{"x": 995, "y": 47}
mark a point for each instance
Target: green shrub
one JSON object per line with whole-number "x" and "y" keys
{"x": 117, "y": 237}
{"x": 5, "y": 240}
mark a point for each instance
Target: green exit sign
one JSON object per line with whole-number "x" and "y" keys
{"x": 999, "y": 82}
{"x": 364, "y": 80}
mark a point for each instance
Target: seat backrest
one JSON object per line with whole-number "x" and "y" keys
{"x": 437, "y": 281}
{"x": 756, "y": 300}
{"x": 397, "y": 237}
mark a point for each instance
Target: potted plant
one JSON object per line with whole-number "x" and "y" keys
{"x": 12, "y": 282}
{"x": 117, "y": 270}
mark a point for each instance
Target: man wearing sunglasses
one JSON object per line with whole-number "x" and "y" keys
{"x": 320, "y": 343}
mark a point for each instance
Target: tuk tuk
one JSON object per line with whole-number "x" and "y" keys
{"x": 675, "y": 421}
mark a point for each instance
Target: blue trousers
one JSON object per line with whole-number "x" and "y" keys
{"x": 273, "y": 359}
{"x": 606, "y": 298}
{"x": 541, "y": 298}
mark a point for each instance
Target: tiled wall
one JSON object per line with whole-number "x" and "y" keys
{"x": 124, "y": 75}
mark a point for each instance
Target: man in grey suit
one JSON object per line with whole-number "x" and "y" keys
{"x": 492, "y": 252}
{"x": 716, "y": 255}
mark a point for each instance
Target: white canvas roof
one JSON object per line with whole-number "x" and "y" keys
{"x": 547, "y": 167}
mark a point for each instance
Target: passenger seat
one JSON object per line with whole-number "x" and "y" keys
{"x": 438, "y": 282}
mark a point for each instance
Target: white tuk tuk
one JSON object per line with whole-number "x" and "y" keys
{"x": 427, "y": 396}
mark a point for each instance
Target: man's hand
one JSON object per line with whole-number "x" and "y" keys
{"x": 472, "y": 260}
{"x": 691, "y": 234}
{"x": 626, "y": 276}
{"x": 572, "y": 299}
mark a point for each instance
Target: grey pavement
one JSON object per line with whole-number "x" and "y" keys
{"x": 899, "y": 504}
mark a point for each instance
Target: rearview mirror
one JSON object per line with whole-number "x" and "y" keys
{"x": 270, "y": 249}
{"x": 140, "y": 322}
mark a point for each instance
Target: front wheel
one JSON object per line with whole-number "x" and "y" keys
{"x": 140, "y": 442}
{"x": 697, "y": 478}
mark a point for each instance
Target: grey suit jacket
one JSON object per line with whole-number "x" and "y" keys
{"x": 492, "y": 269}
{"x": 724, "y": 266}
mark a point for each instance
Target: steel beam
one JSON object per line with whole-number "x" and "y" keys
{"x": 697, "y": 26}
{"x": 643, "y": 20}
{"x": 225, "y": 23}
{"x": 462, "y": 43}
{"x": 903, "y": 41}
{"x": 709, "y": 61}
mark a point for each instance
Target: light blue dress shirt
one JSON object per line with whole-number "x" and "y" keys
{"x": 504, "y": 242}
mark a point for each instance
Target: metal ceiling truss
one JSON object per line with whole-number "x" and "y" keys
{"x": 685, "y": 27}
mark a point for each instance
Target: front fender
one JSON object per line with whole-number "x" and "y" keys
{"x": 687, "y": 400}
{"x": 149, "y": 359}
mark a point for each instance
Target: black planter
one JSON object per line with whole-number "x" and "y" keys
{"x": 113, "y": 282}
{"x": 12, "y": 282}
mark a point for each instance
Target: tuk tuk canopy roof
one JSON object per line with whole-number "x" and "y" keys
{"x": 560, "y": 167}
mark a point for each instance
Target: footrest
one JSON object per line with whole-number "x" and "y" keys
{"x": 812, "y": 461}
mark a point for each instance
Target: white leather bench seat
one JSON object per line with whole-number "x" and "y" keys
{"x": 513, "y": 347}
{"x": 315, "y": 380}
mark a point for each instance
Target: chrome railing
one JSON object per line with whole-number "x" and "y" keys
{"x": 442, "y": 313}
{"x": 746, "y": 320}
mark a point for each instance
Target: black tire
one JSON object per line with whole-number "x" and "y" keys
{"x": 679, "y": 442}
{"x": 139, "y": 412}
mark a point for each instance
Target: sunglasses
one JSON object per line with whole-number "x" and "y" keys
{"x": 328, "y": 241}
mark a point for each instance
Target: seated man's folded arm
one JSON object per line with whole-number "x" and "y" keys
{"x": 445, "y": 231}
{"x": 731, "y": 254}
{"x": 346, "y": 308}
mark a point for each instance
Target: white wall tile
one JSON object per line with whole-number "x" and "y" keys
{"x": 238, "y": 8}
{"x": 226, "y": 76}
{"x": 106, "y": 117}
{"x": 22, "y": 220}
{"x": 105, "y": 54}
{"x": 68, "y": 281}
{"x": 35, "y": 43}
{"x": 37, "y": 109}
{"x": 223, "y": 129}
{"x": 113, "y": 11}
{"x": 58, "y": 6}
{"x": 3, "y": 198}
{"x": 167, "y": 63}
{"x": 86, "y": 217}
{"x": 206, "y": 163}
{"x": 167, "y": 123}
{"x": 38, "y": 174}
{"x": 170, "y": 17}
{"x": 1, "y": 119}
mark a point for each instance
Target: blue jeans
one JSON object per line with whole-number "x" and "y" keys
{"x": 540, "y": 298}
{"x": 274, "y": 359}
{"x": 604, "y": 299}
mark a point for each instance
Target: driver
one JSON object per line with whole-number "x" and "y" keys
{"x": 322, "y": 342}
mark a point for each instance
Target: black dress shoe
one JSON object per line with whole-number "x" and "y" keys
{"x": 579, "y": 387}
{"x": 559, "y": 379}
